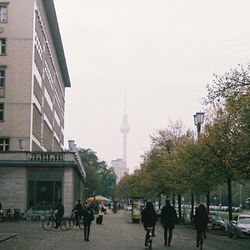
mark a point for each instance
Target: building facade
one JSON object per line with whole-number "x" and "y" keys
{"x": 33, "y": 79}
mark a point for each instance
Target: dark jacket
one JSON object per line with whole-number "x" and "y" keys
{"x": 77, "y": 208}
{"x": 168, "y": 216}
{"x": 149, "y": 216}
{"x": 88, "y": 215}
{"x": 201, "y": 218}
{"x": 60, "y": 209}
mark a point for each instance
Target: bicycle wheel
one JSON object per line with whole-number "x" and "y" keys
{"x": 70, "y": 223}
{"x": 47, "y": 224}
{"x": 63, "y": 224}
{"x": 81, "y": 223}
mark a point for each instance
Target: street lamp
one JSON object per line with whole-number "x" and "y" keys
{"x": 198, "y": 120}
{"x": 21, "y": 143}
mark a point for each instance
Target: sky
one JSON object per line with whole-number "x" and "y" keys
{"x": 164, "y": 51}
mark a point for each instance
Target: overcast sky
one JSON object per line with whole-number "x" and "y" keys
{"x": 165, "y": 51}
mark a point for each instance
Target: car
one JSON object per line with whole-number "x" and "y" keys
{"x": 129, "y": 207}
{"x": 217, "y": 222}
{"x": 240, "y": 226}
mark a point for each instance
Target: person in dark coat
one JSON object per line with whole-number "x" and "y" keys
{"x": 88, "y": 217}
{"x": 59, "y": 212}
{"x": 77, "y": 210}
{"x": 201, "y": 221}
{"x": 149, "y": 218}
{"x": 168, "y": 220}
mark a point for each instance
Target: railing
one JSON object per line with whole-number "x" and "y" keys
{"x": 45, "y": 156}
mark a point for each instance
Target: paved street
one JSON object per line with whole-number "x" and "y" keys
{"x": 117, "y": 232}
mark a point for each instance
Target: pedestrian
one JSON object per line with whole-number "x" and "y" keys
{"x": 88, "y": 217}
{"x": 149, "y": 218}
{"x": 168, "y": 220}
{"x": 77, "y": 210}
{"x": 201, "y": 221}
{"x": 102, "y": 210}
{"x": 59, "y": 212}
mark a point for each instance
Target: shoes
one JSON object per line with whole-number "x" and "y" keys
{"x": 169, "y": 244}
{"x": 56, "y": 227}
{"x": 165, "y": 243}
{"x": 197, "y": 245}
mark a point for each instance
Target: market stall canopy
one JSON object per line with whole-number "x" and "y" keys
{"x": 99, "y": 198}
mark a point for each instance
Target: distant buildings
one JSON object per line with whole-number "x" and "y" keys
{"x": 120, "y": 168}
{"x": 34, "y": 170}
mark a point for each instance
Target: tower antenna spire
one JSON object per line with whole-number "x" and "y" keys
{"x": 125, "y": 128}
{"x": 125, "y": 99}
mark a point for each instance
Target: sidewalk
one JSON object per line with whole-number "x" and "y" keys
{"x": 116, "y": 232}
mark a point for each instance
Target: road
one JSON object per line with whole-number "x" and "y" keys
{"x": 116, "y": 232}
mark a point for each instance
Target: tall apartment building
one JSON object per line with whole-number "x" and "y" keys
{"x": 33, "y": 79}
{"x": 33, "y": 75}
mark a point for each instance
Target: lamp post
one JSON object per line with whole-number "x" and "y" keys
{"x": 21, "y": 143}
{"x": 72, "y": 145}
{"x": 240, "y": 197}
{"x": 198, "y": 120}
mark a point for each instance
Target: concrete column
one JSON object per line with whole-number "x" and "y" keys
{"x": 68, "y": 190}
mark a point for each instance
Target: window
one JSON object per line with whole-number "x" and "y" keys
{"x": 2, "y": 78}
{"x": 4, "y": 144}
{"x": 3, "y": 13}
{"x": 1, "y": 111}
{"x": 2, "y": 46}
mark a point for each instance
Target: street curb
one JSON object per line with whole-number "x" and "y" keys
{"x": 4, "y": 236}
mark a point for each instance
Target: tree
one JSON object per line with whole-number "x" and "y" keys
{"x": 99, "y": 178}
{"x": 230, "y": 96}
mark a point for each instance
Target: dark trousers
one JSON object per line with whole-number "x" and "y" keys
{"x": 168, "y": 233}
{"x": 77, "y": 216}
{"x": 86, "y": 231}
{"x": 199, "y": 232}
{"x": 58, "y": 219}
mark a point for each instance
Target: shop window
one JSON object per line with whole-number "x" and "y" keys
{"x": 44, "y": 189}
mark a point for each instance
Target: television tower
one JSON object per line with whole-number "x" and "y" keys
{"x": 125, "y": 128}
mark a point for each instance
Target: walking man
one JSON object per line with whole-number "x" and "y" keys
{"x": 88, "y": 217}
{"x": 168, "y": 220}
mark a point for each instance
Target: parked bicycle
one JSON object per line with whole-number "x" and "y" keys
{"x": 50, "y": 222}
{"x": 149, "y": 237}
{"x": 71, "y": 222}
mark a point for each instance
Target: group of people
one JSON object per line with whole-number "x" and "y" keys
{"x": 169, "y": 219}
{"x": 148, "y": 217}
{"x": 84, "y": 211}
